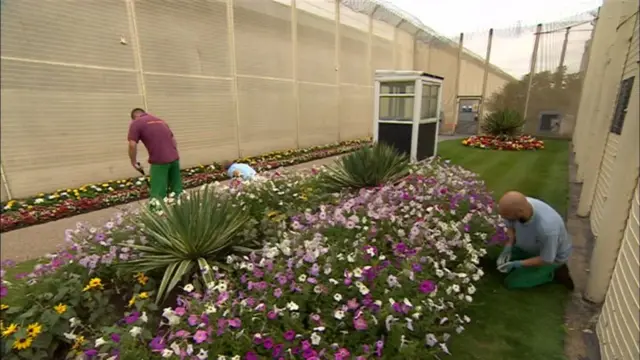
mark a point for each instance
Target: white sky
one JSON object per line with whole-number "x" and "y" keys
{"x": 512, "y": 53}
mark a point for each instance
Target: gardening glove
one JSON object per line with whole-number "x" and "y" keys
{"x": 511, "y": 265}
{"x": 505, "y": 255}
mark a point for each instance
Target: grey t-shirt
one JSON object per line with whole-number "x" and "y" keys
{"x": 544, "y": 234}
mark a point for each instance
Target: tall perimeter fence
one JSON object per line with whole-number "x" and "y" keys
{"x": 233, "y": 78}
{"x": 548, "y": 60}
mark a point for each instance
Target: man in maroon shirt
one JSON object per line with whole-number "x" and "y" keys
{"x": 163, "y": 152}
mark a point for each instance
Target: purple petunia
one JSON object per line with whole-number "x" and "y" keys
{"x": 290, "y": 335}
{"x": 427, "y": 287}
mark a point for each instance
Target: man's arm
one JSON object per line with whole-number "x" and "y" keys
{"x": 133, "y": 153}
{"x": 511, "y": 236}
{"x": 133, "y": 137}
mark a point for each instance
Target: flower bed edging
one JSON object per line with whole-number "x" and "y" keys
{"x": 521, "y": 143}
{"x": 28, "y": 212}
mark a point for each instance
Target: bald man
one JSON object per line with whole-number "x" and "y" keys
{"x": 538, "y": 247}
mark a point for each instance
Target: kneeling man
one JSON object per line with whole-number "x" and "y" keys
{"x": 538, "y": 247}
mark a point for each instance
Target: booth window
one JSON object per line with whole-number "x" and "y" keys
{"x": 429, "y": 107}
{"x": 396, "y": 101}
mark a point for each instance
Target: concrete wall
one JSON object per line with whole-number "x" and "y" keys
{"x": 231, "y": 77}
{"x": 609, "y": 167}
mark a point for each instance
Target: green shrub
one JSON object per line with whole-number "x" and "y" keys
{"x": 503, "y": 123}
{"x": 367, "y": 167}
{"x": 197, "y": 231}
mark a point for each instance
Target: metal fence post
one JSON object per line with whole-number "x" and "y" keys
{"x": 336, "y": 60}
{"x": 234, "y": 71}
{"x": 532, "y": 71}
{"x": 294, "y": 62}
{"x": 4, "y": 181}
{"x": 485, "y": 78}
{"x": 133, "y": 28}
{"x": 370, "y": 60}
{"x": 456, "y": 91}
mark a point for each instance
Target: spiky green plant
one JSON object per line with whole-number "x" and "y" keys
{"x": 503, "y": 123}
{"x": 367, "y": 167}
{"x": 197, "y": 231}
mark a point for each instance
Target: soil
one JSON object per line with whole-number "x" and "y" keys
{"x": 581, "y": 316}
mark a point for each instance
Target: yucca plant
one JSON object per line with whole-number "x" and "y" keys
{"x": 367, "y": 167}
{"x": 503, "y": 123}
{"x": 196, "y": 231}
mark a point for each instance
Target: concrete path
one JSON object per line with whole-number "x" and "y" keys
{"x": 38, "y": 240}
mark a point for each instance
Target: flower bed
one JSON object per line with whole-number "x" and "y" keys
{"x": 381, "y": 273}
{"x": 64, "y": 203}
{"x": 520, "y": 143}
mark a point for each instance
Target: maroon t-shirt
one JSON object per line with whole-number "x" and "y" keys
{"x": 156, "y": 137}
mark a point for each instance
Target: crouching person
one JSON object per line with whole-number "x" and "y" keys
{"x": 239, "y": 170}
{"x": 538, "y": 247}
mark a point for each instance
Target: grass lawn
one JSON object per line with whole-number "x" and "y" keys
{"x": 525, "y": 324}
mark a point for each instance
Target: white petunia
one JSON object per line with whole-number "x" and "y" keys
{"x": 315, "y": 339}
{"x": 188, "y": 288}
{"x": 135, "y": 331}
{"x": 337, "y": 297}
{"x": 202, "y": 355}
{"x": 144, "y": 317}
{"x": 167, "y": 353}
{"x": 100, "y": 342}
{"x": 338, "y": 314}
{"x": 302, "y": 278}
{"x": 292, "y": 306}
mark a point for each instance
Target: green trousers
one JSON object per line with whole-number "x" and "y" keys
{"x": 165, "y": 177}
{"x": 528, "y": 277}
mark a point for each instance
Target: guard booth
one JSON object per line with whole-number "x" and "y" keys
{"x": 407, "y": 111}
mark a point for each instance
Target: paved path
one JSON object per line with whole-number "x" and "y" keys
{"x": 38, "y": 240}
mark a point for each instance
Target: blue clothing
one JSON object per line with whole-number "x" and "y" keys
{"x": 544, "y": 234}
{"x": 246, "y": 171}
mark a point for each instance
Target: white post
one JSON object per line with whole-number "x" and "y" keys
{"x": 435, "y": 145}
{"x": 376, "y": 109}
{"x": 294, "y": 62}
{"x": 234, "y": 71}
{"x": 417, "y": 102}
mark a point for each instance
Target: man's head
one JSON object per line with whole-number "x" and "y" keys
{"x": 514, "y": 206}
{"x": 137, "y": 112}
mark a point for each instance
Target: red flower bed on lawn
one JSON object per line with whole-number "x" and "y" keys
{"x": 64, "y": 203}
{"x": 520, "y": 143}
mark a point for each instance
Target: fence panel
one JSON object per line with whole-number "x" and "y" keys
{"x": 317, "y": 88}
{"x": 187, "y": 75}
{"x": 265, "y": 76}
{"x": 68, "y": 84}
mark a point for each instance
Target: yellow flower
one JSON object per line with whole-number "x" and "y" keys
{"x": 132, "y": 301}
{"x": 105, "y": 185}
{"x": 272, "y": 214}
{"x": 22, "y": 343}
{"x": 60, "y": 308}
{"x": 4, "y": 307}
{"x": 141, "y": 278}
{"x": 10, "y": 330}
{"x": 143, "y": 295}
{"x": 33, "y": 330}
{"x": 78, "y": 343}
{"x": 95, "y": 283}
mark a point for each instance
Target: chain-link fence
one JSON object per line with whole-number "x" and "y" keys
{"x": 548, "y": 61}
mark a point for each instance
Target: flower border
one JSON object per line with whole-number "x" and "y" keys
{"x": 520, "y": 143}
{"x": 43, "y": 208}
